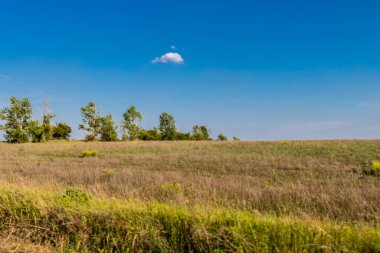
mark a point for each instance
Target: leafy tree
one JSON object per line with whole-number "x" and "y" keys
{"x": 201, "y": 133}
{"x": 167, "y": 126}
{"x": 235, "y": 138}
{"x": 36, "y": 131}
{"x": 91, "y": 121}
{"x": 17, "y": 119}
{"x": 61, "y": 131}
{"x": 206, "y": 133}
{"x": 132, "y": 119}
{"x": 124, "y": 135}
{"x": 107, "y": 129}
{"x": 150, "y": 135}
{"x": 42, "y": 132}
{"x": 47, "y": 116}
{"x": 47, "y": 126}
{"x": 222, "y": 137}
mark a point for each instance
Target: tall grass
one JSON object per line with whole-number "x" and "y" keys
{"x": 97, "y": 225}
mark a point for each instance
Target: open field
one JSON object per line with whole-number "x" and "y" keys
{"x": 190, "y": 196}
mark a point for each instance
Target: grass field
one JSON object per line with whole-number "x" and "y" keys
{"x": 190, "y": 197}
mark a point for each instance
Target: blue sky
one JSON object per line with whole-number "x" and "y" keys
{"x": 259, "y": 70}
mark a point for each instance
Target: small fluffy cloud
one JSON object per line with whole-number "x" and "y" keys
{"x": 169, "y": 57}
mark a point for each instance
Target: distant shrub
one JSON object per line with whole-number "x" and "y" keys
{"x": 184, "y": 136}
{"x": 201, "y": 133}
{"x": 235, "y": 138}
{"x": 107, "y": 174}
{"x": 61, "y": 131}
{"x": 75, "y": 195}
{"x": 374, "y": 170}
{"x": 149, "y": 135}
{"x": 222, "y": 137}
{"x": 89, "y": 153}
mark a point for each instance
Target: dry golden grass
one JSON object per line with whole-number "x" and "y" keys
{"x": 312, "y": 180}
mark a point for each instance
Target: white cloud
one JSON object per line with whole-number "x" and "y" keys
{"x": 169, "y": 57}
{"x": 173, "y": 47}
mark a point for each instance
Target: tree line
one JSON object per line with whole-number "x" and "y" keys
{"x": 19, "y": 127}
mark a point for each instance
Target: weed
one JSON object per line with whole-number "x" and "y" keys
{"x": 75, "y": 195}
{"x": 170, "y": 189}
{"x": 107, "y": 174}
{"x": 89, "y": 153}
{"x": 373, "y": 170}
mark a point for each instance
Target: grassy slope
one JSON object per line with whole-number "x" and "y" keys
{"x": 310, "y": 195}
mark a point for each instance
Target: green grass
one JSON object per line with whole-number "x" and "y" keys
{"x": 73, "y": 221}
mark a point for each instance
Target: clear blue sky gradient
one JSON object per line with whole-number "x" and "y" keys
{"x": 259, "y": 70}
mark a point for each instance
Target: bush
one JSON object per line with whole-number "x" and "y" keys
{"x": 74, "y": 195}
{"x": 36, "y": 131}
{"x": 222, "y": 137}
{"x": 61, "y": 131}
{"x": 184, "y": 136}
{"x": 374, "y": 170}
{"x": 150, "y": 135}
{"x": 89, "y": 153}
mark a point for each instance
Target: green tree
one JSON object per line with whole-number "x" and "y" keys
{"x": 107, "y": 129}
{"x": 61, "y": 131}
{"x": 201, "y": 133}
{"x": 47, "y": 116}
{"x": 206, "y": 133}
{"x": 150, "y": 135}
{"x": 42, "y": 132}
{"x": 132, "y": 120}
{"x": 235, "y": 138}
{"x": 184, "y": 136}
{"x": 36, "y": 131}
{"x": 17, "y": 119}
{"x": 167, "y": 126}
{"x": 91, "y": 121}
{"x": 222, "y": 137}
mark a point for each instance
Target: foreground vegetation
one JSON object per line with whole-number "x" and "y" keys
{"x": 73, "y": 221}
{"x": 320, "y": 196}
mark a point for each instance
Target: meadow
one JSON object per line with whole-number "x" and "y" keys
{"x": 205, "y": 196}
